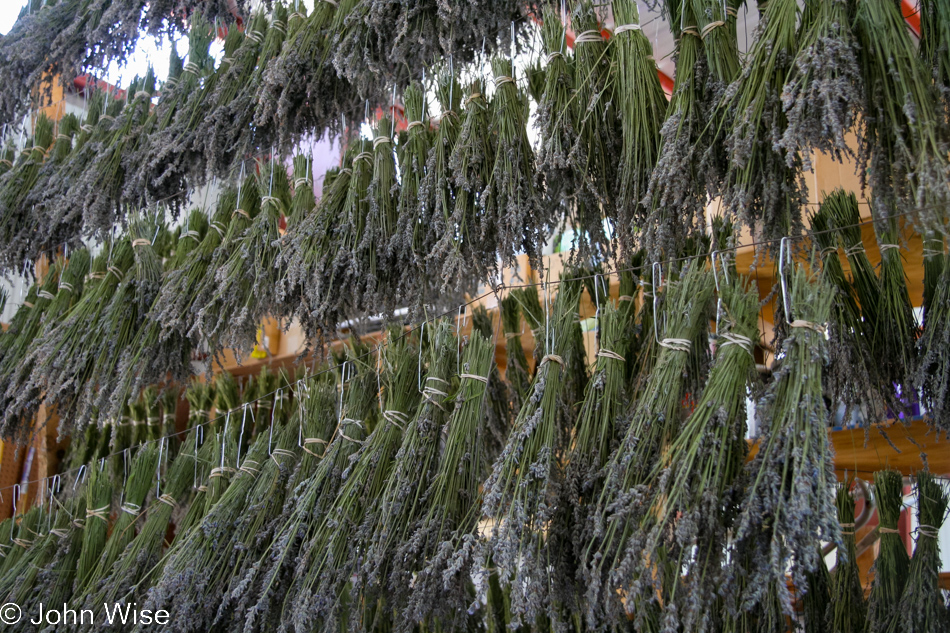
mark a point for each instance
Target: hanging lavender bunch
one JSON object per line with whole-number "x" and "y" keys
{"x": 307, "y": 251}
{"x": 676, "y": 195}
{"x": 465, "y": 242}
{"x": 444, "y": 550}
{"x": 642, "y": 109}
{"x": 242, "y": 298}
{"x": 934, "y": 49}
{"x": 904, "y": 137}
{"x": 384, "y": 573}
{"x": 823, "y": 96}
{"x": 788, "y": 503}
{"x": 611, "y": 556}
{"x": 762, "y": 186}
{"x": 524, "y": 480}
{"x": 892, "y": 565}
{"x": 510, "y": 201}
{"x": 848, "y": 610}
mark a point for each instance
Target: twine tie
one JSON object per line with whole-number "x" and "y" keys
{"x": 606, "y": 353}
{"x": 677, "y": 344}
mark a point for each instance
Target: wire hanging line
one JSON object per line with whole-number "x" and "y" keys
{"x": 461, "y": 310}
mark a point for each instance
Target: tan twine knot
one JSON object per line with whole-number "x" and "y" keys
{"x": 131, "y": 508}
{"x": 606, "y": 353}
{"x": 555, "y": 55}
{"x": 66, "y": 286}
{"x": 690, "y": 30}
{"x": 255, "y": 36}
{"x": 168, "y": 500}
{"x": 552, "y": 358}
{"x": 472, "y": 97}
{"x": 217, "y": 226}
{"x": 85, "y": 128}
{"x": 677, "y": 344}
{"x": 831, "y": 250}
{"x": 884, "y": 530}
{"x": 928, "y": 530}
{"x": 502, "y": 80}
{"x": 190, "y": 67}
{"x": 308, "y": 441}
{"x": 736, "y": 339}
{"x": 413, "y": 125}
{"x": 142, "y": 94}
{"x": 798, "y": 323}
{"x": 302, "y": 182}
{"x": 624, "y": 28}
{"x": 481, "y": 379}
{"x": 195, "y": 235}
{"x": 59, "y": 532}
{"x": 855, "y": 250}
{"x": 241, "y": 212}
{"x": 625, "y": 298}
{"x": 141, "y": 242}
{"x": 253, "y": 470}
{"x": 22, "y": 542}
{"x": 98, "y": 513}
{"x": 79, "y": 524}
{"x": 709, "y": 28}
{"x": 381, "y": 140}
{"x": 886, "y": 247}
{"x": 202, "y": 488}
{"x": 115, "y": 271}
{"x": 589, "y": 36}
{"x": 397, "y": 418}
{"x": 63, "y": 137}
{"x": 279, "y": 26}
{"x": 45, "y": 294}
{"x": 364, "y": 156}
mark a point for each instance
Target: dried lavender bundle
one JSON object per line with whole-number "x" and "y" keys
{"x": 525, "y": 477}
{"x": 251, "y": 535}
{"x": 246, "y": 290}
{"x": 596, "y": 119}
{"x": 904, "y": 138}
{"x": 248, "y": 132}
{"x": 156, "y": 355}
{"x": 895, "y": 330}
{"x": 848, "y": 610}
{"x": 762, "y": 183}
{"x": 892, "y": 565}
{"x": 596, "y": 434}
{"x": 850, "y": 375}
{"x": 934, "y": 50}
{"x": 64, "y": 359}
{"x": 409, "y": 246}
{"x": 498, "y": 415}
{"x": 341, "y": 533}
{"x": 169, "y": 154}
{"x": 932, "y": 375}
{"x": 372, "y": 249}
{"x": 934, "y": 262}
{"x": 464, "y": 243}
{"x": 123, "y": 318}
{"x": 823, "y": 95}
{"x": 922, "y": 608}
{"x": 555, "y": 119}
{"x": 642, "y": 109}
{"x": 198, "y": 558}
{"x": 137, "y": 486}
{"x": 788, "y": 503}
{"x": 98, "y": 503}
{"x": 204, "y": 299}
{"x": 334, "y": 438}
{"x": 402, "y": 505}
{"x": 143, "y": 552}
{"x": 344, "y": 269}
{"x": 716, "y": 25}
{"x": 676, "y": 195}
{"x": 217, "y": 132}
{"x": 173, "y": 308}
{"x": 516, "y": 362}
{"x": 17, "y": 582}
{"x": 652, "y": 424}
{"x": 16, "y": 187}
{"x": 19, "y": 322}
{"x": 307, "y": 250}
{"x": 444, "y": 547}
{"x": 510, "y": 201}
{"x": 101, "y": 184}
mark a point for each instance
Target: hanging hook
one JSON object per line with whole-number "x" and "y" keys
{"x": 241, "y": 434}
{"x": 342, "y": 386}
{"x": 79, "y": 475}
{"x": 783, "y": 252}
{"x": 656, "y": 277}
{"x": 270, "y": 433}
{"x": 422, "y": 332}
{"x": 16, "y": 497}
{"x": 712, "y": 258}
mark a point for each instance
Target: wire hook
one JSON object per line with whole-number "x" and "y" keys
{"x": 657, "y": 279}
{"x": 785, "y": 251}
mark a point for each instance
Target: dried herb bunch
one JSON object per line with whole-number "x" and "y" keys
{"x": 698, "y": 481}
{"x": 892, "y": 565}
{"x": 402, "y": 505}
{"x": 762, "y": 185}
{"x": 848, "y": 610}
{"x": 932, "y": 375}
{"x": 653, "y": 422}
{"x": 641, "y": 109}
{"x": 934, "y": 50}
{"x": 823, "y": 95}
{"x": 903, "y": 154}
{"x": 850, "y": 374}
{"x": 676, "y": 195}
{"x": 524, "y": 482}
{"x": 788, "y": 503}
{"x": 510, "y": 201}
{"x": 444, "y": 549}
{"x": 921, "y": 608}
{"x": 18, "y": 221}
